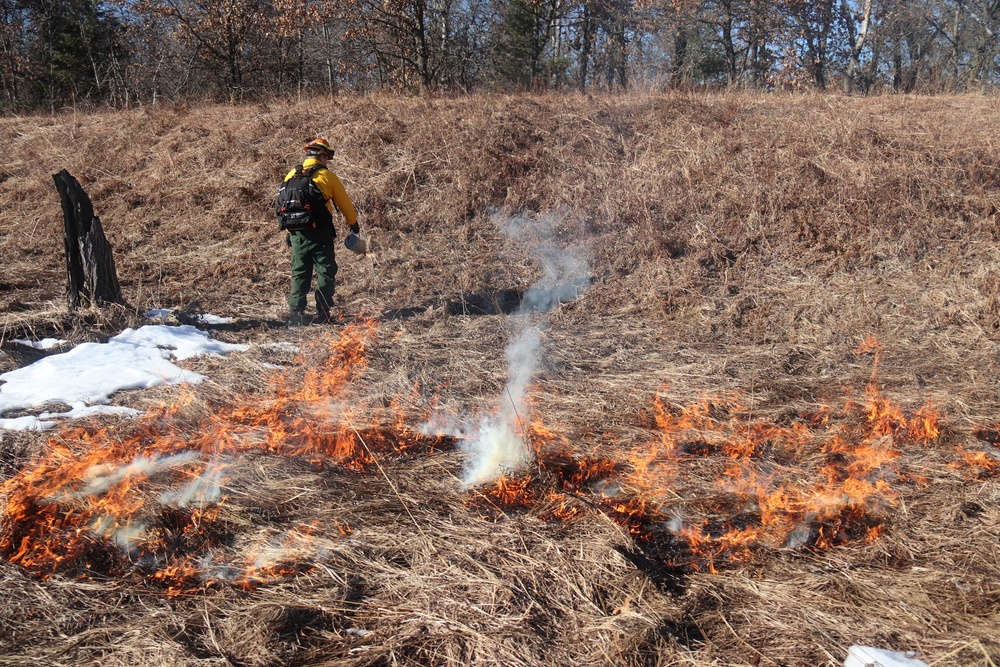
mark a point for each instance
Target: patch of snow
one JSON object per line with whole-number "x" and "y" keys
{"x": 866, "y": 656}
{"x": 182, "y": 342}
{"x": 208, "y": 318}
{"x": 91, "y": 372}
{"x": 159, "y": 313}
{"x": 283, "y": 346}
{"x": 80, "y": 410}
{"x": 43, "y": 344}
{"x": 26, "y": 424}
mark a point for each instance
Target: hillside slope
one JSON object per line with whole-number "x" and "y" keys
{"x": 755, "y": 294}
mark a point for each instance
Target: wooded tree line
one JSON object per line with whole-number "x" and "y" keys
{"x": 55, "y": 53}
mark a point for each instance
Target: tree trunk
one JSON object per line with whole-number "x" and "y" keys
{"x": 680, "y": 56}
{"x": 89, "y": 263}
{"x": 586, "y": 43}
{"x": 856, "y": 42}
{"x": 727, "y": 44}
{"x": 330, "y": 80}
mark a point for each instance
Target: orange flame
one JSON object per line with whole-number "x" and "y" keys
{"x": 819, "y": 479}
{"x": 89, "y": 504}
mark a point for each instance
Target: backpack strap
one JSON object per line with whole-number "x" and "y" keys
{"x": 300, "y": 170}
{"x": 310, "y": 172}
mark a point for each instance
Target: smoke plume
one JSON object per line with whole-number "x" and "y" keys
{"x": 497, "y": 443}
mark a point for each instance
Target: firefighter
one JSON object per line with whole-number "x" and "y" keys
{"x": 312, "y": 248}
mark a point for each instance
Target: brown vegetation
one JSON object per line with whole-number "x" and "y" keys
{"x": 741, "y": 246}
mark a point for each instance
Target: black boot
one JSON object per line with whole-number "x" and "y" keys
{"x": 297, "y": 318}
{"x": 323, "y": 316}
{"x": 322, "y": 309}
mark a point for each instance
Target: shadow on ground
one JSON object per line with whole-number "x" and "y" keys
{"x": 485, "y": 303}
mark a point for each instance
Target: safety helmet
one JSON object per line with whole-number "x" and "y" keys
{"x": 318, "y": 145}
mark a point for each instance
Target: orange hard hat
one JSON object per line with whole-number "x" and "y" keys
{"x": 319, "y": 145}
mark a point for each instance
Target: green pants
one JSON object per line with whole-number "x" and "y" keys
{"x": 313, "y": 248}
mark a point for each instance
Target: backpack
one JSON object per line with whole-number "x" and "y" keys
{"x": 300, "y": 204}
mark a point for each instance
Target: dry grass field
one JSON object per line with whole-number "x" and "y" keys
{"x": 763, "y": 415}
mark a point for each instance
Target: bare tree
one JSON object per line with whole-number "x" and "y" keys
{"x": 816, "y": 24}
{"x": 228, "y": 37}
{"x": 858, "y": 25}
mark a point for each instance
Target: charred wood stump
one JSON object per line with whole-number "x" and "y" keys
{"x": 93, "y": 279}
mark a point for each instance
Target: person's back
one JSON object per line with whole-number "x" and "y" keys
{"x": 313, "y": 245}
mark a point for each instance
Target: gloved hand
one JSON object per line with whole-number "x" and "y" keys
{"x": 355, "y": 228}
{"x": 288, "y": 239}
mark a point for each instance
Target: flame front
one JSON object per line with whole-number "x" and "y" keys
{"x": 713, "y": 485}
{"x": 816, "y": 480}
{"x": 94, "y": 489}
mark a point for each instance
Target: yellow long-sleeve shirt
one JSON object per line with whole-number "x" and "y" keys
{"x": 332, "y": 189}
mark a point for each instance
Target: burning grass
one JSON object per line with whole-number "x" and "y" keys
{"x": 724, "y": 471}
{"x": 820, "y": 480}
{"x": 102, "y": 501}
{"x": 283, "y": 497}
{"x": 217, "y": 500}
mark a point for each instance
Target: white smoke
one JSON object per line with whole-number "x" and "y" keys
{"x": 441, "y": 424}
{"x": 565, "y": 266}
{"x": 100, "y": 478}
{"x": 800, "y": 535}
{"x": 125, "y": 533}
{"x": 203, "y": 490}
{"x": 497, "y": 445}
{"x": 109, "y": 527}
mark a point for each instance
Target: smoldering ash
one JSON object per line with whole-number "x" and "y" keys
{"x": 497, "y": 444}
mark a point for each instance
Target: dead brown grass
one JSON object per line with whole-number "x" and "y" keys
{"x": 739, "y": 243}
